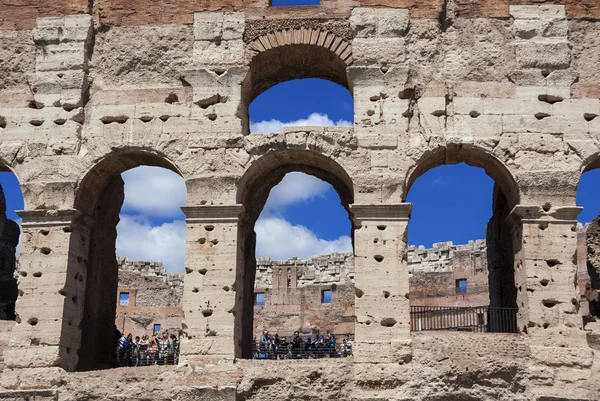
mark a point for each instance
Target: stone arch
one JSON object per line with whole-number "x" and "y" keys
{"x": 93, "y": 268}
{"x": 503, "y": 238}
{"x": 253, "y": 191}
{"x": 472, "y": 156}
{"x": 294, "y": 54}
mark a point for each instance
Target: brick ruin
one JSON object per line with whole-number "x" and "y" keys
{"x": 92, "y": 88}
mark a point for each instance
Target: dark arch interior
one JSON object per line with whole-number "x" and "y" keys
{"x": 255, "y": 187}
{"x": 100, "y": 197}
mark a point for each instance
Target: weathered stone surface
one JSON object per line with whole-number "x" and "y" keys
{"x": 91, "y": 89}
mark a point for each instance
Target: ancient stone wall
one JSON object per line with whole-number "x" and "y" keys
{"x": 91, "y": 89}
{"x": 154, "y": 298}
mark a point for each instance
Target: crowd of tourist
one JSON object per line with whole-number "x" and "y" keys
{"x": 275, "y": 347}
{"x": 161, "y": 349}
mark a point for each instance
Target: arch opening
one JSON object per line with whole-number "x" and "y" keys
{"x": 462, "y": 251}
{"x": 588, "y": 244}
{"x": 128, "y": 271}
{"x": 292, "y": 285}
{"x": 11, "y": 200}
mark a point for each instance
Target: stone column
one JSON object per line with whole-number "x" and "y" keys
{"x": 52, "y": 290}
{"x": 545, "y": 276}
{"x": 381, "y": 277}
{"x": 209, "y": 287}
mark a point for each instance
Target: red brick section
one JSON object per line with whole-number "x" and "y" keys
{"x": 21, "y": 14}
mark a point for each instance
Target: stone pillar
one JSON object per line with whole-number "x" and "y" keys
{"x": 381, "y": 277}
{"x": 209, "y": 287}
{"x": 545, "y": 275}
{"x": 52, "y": 290}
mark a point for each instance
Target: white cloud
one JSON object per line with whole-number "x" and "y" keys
{"x": 315, "y": 119}
{"x": 139, "y": 240}
{"x": 296, "y": 187}
{"x": 154, "y": 191}
{"x": 279, "y": 239}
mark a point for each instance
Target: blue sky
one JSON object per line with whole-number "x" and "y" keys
{"x": 295, "y": 2}
{"x": 303, "y": 215}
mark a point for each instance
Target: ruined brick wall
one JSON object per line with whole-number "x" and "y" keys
{"x": 155, "y": 297}
{"x": 434, "y": 273}
{"x": 293, "y": 295}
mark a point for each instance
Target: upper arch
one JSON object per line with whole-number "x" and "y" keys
{"x": 473, "y": 157}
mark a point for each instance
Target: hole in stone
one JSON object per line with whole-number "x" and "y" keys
{"x": 195, "y": 289}
{"x": 33, "y": 321}
{"x": 172, "y": 98}
{"x": 541, "y": 116}
{"x": 45, "y": 250}
{"x": 74, "y": 299}
{"x": 388, "y": 322}
{"x": 212, "y": 116}
{"x": 552, "y": 262}
{"x": 439, "y": 113}
{"x": 375, "y": 98}
{"x": 226, "y": 288}
{"x": 37, "y": 274}
{"x": 378, "y": 258}
{"x": 164, "y": 118}
{"x": 550, "y": 99}
{"x": 546, "y": 207}
{"x": 589, "y": 116}
{"x": 386, "y": 294}
{"x": 211, "y": 333}
{"x": 202, "y": 240}
{"x": 544, "y": 282}
{"x": 60, "y": 121}
{"x": 68, "y": 107}
{"x": 121, "y": 119}
{"x": 370, "y": 113}
{"x": 359, "y": 293}
{"x": 545, "y": 73}
{"x": 211, "y": 101}
{"x": 188, "y": 270}
{"x": 34, "y": 342}
{"x": 67, "y": 229}
{"x": 368, "y": 322}
{"x": 35, "y": 105}
{"x": 207, "y": 312}
{"x": 407, "y": 114}
{"x": 146, "y": 119}
{"x": 550, "y": 303}
{"x": 575, "y": 302}
{"x": 384, "y": 69}
{"x": 2, "y": 122}
{"x": 543, "y": 226}
{"x": 44, "y": 232}
{"x": 62, "y": 292}
{"x": 23, "y": 273}
{"x": 381, "y": 228}
{"x": 375, "y": 240}
{"x": 220, "y": 71}
{"x": 474, "y": 114}
{"x": 546, "y": 325}
{"x": 209, "y": 228}
{"x": 215, "y": 241}
{"x": 36, "y": 123}
{"x": 203, "y": 271}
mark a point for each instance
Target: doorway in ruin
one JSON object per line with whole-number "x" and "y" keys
{"x": 588, "y": 247}
{"x": 462, "y": 249}
{"x": 11, "y": 200}
{"x": 136, "y": 248}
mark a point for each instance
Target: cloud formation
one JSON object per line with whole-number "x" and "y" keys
{"x": 315, "y": 119}
{"x": 140, "y": 240}
{"x": 279, "y": 239}
{"x": 296, "y": 187}
{"x": 154, "y": 191}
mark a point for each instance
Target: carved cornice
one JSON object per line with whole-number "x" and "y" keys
{"x": 536, "y": 214}
{"x": 54, "y": 218}
{"x": 387, "y": 212}
{"x": 213, "y": 214}
{"x": 304, "y": 36}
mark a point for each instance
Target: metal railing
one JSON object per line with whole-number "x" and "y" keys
{"x": 483, "y": 319}
{"x": 288, "y": 351}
